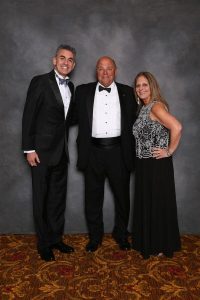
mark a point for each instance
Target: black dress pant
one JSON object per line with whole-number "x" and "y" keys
{"x": 49, "y": 184}
{"x": 106, "y": 162}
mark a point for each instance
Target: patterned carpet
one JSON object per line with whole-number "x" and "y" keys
{"x": 108, "y": 273}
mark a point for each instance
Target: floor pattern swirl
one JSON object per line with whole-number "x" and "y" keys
{"x": 108, "y": 273}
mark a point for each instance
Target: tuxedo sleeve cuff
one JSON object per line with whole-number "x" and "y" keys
{"x": 29, "y": 151}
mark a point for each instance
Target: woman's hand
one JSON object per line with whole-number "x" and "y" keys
{"x": 159, "y": 153}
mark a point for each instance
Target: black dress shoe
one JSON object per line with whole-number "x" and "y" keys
{"x": 145, "y": 256}
{"x": 46, "y": 254}
{"x": 63, "y": 247}
{"x": 92, "y": 246}
{"x": 123, "y": 244}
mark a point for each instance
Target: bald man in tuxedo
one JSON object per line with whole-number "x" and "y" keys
{"x": 106, "y": 112}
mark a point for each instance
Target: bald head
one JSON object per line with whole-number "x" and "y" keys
{"x": 106, "y": 70}
{"x": 106, "y": 59}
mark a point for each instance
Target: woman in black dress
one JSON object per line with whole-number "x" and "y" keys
{"x": 157, "y": 134}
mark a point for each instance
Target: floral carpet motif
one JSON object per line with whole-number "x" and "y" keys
{"x": 108, "y": 273}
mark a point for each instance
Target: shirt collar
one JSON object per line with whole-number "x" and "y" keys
{"x": 113, "y": 85}
{"x": 59, "y": 76}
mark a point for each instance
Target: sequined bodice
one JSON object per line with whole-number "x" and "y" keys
{"x": 149, "y": 133}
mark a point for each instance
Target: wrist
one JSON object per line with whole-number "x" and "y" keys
{"x": 168, "y": 152}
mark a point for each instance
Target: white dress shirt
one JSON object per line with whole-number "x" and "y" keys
{"x": 106, "y": 113}
{"x": 65, "y": 92}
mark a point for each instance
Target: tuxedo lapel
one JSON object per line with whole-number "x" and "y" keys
{"x": 90, "y": 102}
{"x": 71, "y": 87}
{"x": 55, "y": 88}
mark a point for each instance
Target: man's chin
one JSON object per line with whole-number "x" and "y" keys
{"x": 105, "y": 84}
{"x": 64, "y": 74}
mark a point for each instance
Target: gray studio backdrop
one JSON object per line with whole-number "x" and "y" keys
{"x": 161, "y": 36}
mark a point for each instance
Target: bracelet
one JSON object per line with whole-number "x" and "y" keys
{"x": 168, "y": 153}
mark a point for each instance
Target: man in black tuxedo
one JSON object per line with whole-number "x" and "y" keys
{"x": 46, "y": 120}
{"x": 106, "y": 111}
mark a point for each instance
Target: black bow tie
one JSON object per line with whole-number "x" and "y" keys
{"x": 101, "y": 88}
{"x": 63, "y": 81}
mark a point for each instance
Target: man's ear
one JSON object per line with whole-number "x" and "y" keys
{"x": 115, "y": 72}
{"x": 54, "y": 60}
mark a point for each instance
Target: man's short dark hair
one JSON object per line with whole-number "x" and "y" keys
{"x": 66, "y": 47}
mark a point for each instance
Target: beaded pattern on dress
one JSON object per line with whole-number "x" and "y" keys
{"x": 149, "y": 133}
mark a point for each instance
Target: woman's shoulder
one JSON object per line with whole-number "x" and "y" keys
{"x": 158, "y": 106}
{"x": 158, "y": 111}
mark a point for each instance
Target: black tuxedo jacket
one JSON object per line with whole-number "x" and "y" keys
{"x": 44, "y": 127}
{"x": 84, "y": 100}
